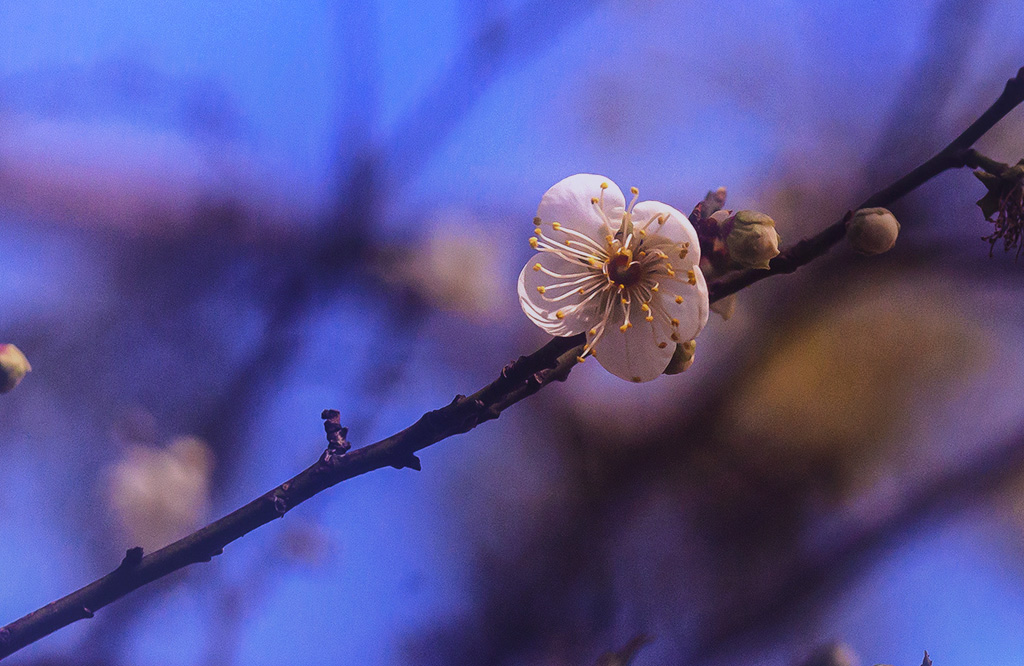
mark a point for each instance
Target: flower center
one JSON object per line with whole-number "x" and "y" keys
{"x": 622, "y": 270}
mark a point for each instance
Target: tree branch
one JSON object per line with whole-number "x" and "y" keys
{"x": 954, "y": 156}
{"x": 518, "y": 380}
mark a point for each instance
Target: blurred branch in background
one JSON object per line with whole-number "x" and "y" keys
{"x": 518, "y": 380}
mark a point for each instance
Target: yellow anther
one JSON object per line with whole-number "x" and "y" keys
{"x": 580, "y": 290}
{"x": 593, "y": 331}
{"x": 609, "y": 238}
{"x": 645, "y": 307}
{"x": 541, "y": 289}
{"x": 637, "y": 380}
{"x": 556, "y": 226}
{"x": 691, "y": 277}
{"x": 649, "y": 318}
{"x": 560, "y": 315}
{"x": 633, "y": 190}
{"x": 653, "y": 288}
{"x": 538, "y": 231}
{"x": 533, "y": 242}
{"x": 593, "y": 200}
{"x": 536, "y": 267}
{"x": 671, "y": 273}
{"x": 604, "y": 186}
{"x": 641, "y": 233}
{"x": 679, "y": 299}
{"x": 536, "y": 221}
{"x": 674, "y": 322}
{"x": 624, "y": 328}
{"x": 580, "y": 359}
{"x": 593, "y": 262}
{"x": 662, "y": 345}
{"x": 641, "y": 255}
{"x": 624, "y": 301}
{"x": 661, "y": 219}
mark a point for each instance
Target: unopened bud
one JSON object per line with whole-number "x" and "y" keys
{"x": 13, "y": 367}
{"x": 872, "y": 230}
{"x": 682, "y": 359}
{"x": 753, "y": 241}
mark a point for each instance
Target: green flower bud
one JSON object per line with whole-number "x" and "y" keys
{"x": 753, "y": 241}
{"x": 13, "y": 367}
{"x": 872, "y": 230}
{"x": 682, "y": 359}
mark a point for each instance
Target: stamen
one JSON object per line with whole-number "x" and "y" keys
{"x": 587, "y": 240}
{"x": 691, "y": 277}
{"x": 660, "y": 218}
{"x": 597, "y": 286}
{"x": 679, "y": 299}
{"x": 533, "y": 242}
{"x": 636, "y": 195}
{"x": 541, "y": 289}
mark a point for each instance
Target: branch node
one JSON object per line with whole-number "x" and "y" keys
{"x": 132, "y": 558}
{"x": 511, "y": 367}
{"x": 928, "y": 660}
{"x": 336, "y": 433}
{"x": 280, "y": 502}
{"x": 410, "y": 460}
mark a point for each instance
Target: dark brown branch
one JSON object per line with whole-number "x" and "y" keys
{"x": 518, "y": 380}
{"x": 956, "y": 155}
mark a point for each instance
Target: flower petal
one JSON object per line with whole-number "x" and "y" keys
{"x": 692, "y": 312}
{"x": 569, "y": 202}
{"x": 634, "y": 355}
{"x": 676, "y": 230}
{"x": 542, "y": 309}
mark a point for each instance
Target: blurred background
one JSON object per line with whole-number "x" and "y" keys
{"x": 218, "y": 219}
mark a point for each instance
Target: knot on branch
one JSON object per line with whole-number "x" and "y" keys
{"x": 132, "y": 559}
{"x": 406, "y": 459}
{"x": 279, "y": 499}
{"x": 336, "y": 433}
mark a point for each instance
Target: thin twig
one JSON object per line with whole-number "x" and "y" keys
{"x": 518, "y": 380}
{"x": 953, "y": 156}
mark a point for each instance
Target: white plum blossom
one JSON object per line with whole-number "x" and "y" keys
{"x": 161, "y": 494}
{"x": 627, "y": 276}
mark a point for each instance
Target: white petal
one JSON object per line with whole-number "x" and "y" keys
{"x": 676, "y": 229}
{"x": 569, "y": 202}
{"x": 634, "y": 355}
{"x": 693, "y": 312}
{"x": 542, "y": 311}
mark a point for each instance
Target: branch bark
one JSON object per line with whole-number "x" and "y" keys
{"x": 956, "y": 155}
{"x": 518, "y": 380}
